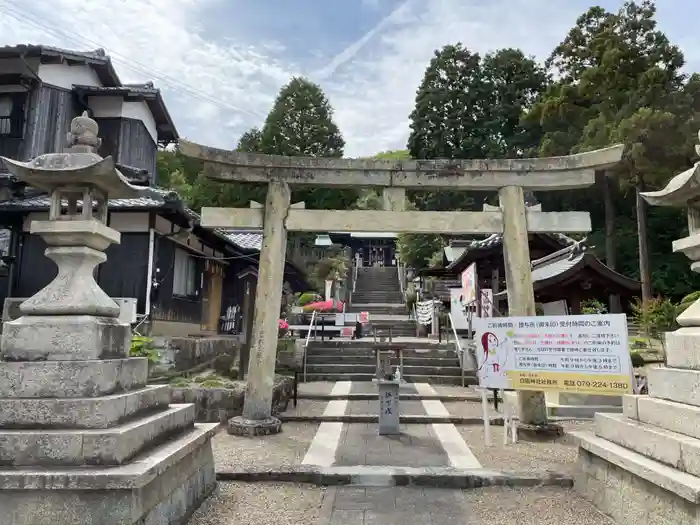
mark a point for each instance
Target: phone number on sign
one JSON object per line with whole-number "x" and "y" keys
{"x": 612, "y": 385}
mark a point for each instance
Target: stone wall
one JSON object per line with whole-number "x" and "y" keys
{"x": 184, "y": 353}
{"x": 627, "y": 498}
{"x": 221, "y": 404}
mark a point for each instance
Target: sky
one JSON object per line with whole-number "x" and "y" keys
{"x": 221, "y": 63}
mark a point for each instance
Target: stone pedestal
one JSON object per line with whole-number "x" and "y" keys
{"x": 83, "y": 439}
{"x": 645, "y": 463}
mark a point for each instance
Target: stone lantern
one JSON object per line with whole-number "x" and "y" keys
{"x": 83, "y": 438}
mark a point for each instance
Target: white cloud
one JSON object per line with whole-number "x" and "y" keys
{"x": 371, "y": 84}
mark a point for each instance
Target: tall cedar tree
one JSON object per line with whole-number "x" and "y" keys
{"x": 301, "y": 124}
{"x": 469, "y": 107}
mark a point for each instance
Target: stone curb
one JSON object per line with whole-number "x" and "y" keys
{"x": 404, "y": 419}
{"x": 439, "y": 477}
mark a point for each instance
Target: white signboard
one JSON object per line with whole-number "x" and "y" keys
{"x": 587, "y": 354}
{"x": 468, "y": 279}
{"x": 486, "y": 302}
{"x": 459, "y": 316}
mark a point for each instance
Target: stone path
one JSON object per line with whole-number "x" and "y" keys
{"x": 357, "y": 448}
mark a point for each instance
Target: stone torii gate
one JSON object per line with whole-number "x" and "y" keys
{"x": 510, "y": 177}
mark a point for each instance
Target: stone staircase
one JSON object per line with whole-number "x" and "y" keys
{"x": 377, "y": 291}
{"x": 355, "y": 361}
{"x": 652, "y": 450}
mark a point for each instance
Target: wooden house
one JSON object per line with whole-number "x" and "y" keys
{"x": 184, "y": 279}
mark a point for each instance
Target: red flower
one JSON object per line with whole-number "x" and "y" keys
{"x": 284, "y": 325}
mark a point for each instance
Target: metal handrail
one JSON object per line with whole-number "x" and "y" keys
{"x": 355, "y": 270}
{"x": 308, "y": 339}
{"x": 460, "y": 352}
{"x": 399, "y": 271}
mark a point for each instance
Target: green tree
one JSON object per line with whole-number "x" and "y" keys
{"x": 620, "y": 80}
{"x": 301, "y": 124}
{"x": 470, "y": 108}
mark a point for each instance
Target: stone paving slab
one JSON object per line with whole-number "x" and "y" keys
{"x": 315, "y": 388}
{"x": 394, "y": 506}
{"x": 416, "y": 446}
{"x": 406, "y": 408}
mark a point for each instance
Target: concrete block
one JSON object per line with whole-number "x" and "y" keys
{"x": 675, "y": 384}
{"x": 65, "y": 338}
{"x": 163, "y": 488}
{"x": 72, "y": 378}
{"x": 112, "y": 446}
{"x": 682, "y": 484}
{"x": 580, "y": 411}
{"x": 80, "y": 413}
{"x": 629, "y": 405}
{"x": 683, "y": 348}
{"x": 568, "y": 398}
{"x": 677, "y": 417}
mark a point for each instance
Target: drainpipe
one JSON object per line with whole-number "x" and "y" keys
{"x": 149, "y": 272}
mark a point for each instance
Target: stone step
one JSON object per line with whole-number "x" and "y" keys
{"x": 369, "y": 353}
{"x": 638, "y": 465}
{"x": 418, "y": 346}
{"x": 390, "y": 309}
{"x": 94, "y": 447}
{"x": 579, "y": 411}
{"x": 81, "y": 412}
{"x": 369, "y": 359}
{"x": 677, "y": 417}
{"x": 369, "y": 368}
{"x": 568, "y": 398}
{"x": 667, "y": 447}
{"x": 675, "y": 384}
{"x": 470, "y": 378}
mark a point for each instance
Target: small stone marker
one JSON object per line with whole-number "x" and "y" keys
{"x": 389, "y": 408}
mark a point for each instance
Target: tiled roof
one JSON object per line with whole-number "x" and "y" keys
{"x": 125, "y": 89}
{"x": 97, "y": 58}
{"x": 243, "y": 240}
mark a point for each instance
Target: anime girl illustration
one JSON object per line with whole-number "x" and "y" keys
{"x": 492, "y": 367}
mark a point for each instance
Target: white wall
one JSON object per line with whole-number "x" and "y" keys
{"x": 65, "y": 76}
{"x": 140, "y": 111}
{"x": 105, "y": 107}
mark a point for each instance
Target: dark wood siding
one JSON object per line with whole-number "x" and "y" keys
{"x": 136, "y": 146}
{"x": 123, "y": 275}
{"x": 125, "y": 272}
{"x": 167, "y": 307}
{"x": 109, "y": 133}
{"x": 35, "y": 269}
{"x": 49, "y": 114}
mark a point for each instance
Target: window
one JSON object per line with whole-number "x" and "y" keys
{"x": 12, "y": 114}
{"x": 184, "y": 274}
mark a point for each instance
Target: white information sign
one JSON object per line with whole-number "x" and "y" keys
{"x": 586, "y": 354}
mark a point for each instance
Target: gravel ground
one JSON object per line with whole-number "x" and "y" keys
{"x": 525, "y": 456}
{"x": 541, "y": 506}
{"x": 281, "y": 450}
{"x": 261, "y": 504}
{"x": 468, "y": 409}
{"x": 305, "y": 407}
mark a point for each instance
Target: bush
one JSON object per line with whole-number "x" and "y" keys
{"x": 307, "y": 298}
{"x": 142, "y": 346}
{"x": 593, "y": 307}
{"x": 637, "y": 359}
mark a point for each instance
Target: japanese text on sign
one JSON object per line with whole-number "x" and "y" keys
{"x": 581, "y": 353}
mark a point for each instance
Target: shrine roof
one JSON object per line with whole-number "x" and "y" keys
{"x": 478, "y": 247}
{"x": 559, "y": 267}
